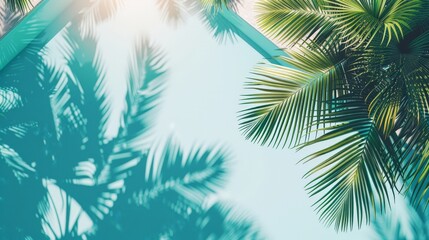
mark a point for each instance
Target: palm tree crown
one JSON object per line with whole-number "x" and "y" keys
{"x": 356, "y": 77}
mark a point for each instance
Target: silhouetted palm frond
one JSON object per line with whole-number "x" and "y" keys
{"x": 166, "y": 197}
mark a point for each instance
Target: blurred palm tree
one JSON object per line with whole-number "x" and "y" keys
{"x": 65, "y": 175}
{"x": 356, "y": 78}
{"x": 411, "y": 223}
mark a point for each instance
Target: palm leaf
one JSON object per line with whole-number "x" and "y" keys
{"x": 194, "y": 175}
{"x": 284, "y": 101}
{"x": 293, "y": 21}
{"x": 16, "y": 178}
{"x": 351, "y": 180}
{"x": 361, "y": 20}
{"x": 163, "y": 189}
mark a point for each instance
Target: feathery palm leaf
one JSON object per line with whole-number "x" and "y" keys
{"x": 361, "y": 20}
{"x": 294, "y": 21}
{"x": 374, "y": 105}
{"x": 354, "y": 173}
{"x": 284, "y": 100}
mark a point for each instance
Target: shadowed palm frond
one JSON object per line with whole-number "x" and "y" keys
{"x": 166, "y": 193}
{"x": 219, "y": 221}
{"x": 95, "y": 12}
{"x": 16, "y": 178}
{"x": 19, "y": 5}
{"x": 8, "y": 18}
{"x": 168, "y": 170}
{"x": 122, "y": 153}
{"x": 221, "y": 28}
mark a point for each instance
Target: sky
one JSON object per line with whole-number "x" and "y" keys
{"x": 199, "y": 106}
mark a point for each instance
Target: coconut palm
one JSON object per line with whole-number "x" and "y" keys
{"x": 354, "y": 80}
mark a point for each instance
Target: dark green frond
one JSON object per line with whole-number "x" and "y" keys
{"x": 351, "y": 180}
{"x": 361, "y": 20}
{"x": 284, "y": 101}
{"x": 294, "y": 21}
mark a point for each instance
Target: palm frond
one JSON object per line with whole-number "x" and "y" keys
{"x": 169, "y": 170}
{"x": 409, "y": 222}
{"x": 162, "y": 191}
{"x": 294, "y": 21}
{"x": 361, "y": 20}
{"x": 352, "y": 179}
{"x": 16, "y": 178}
{"x": 123, "y": 152}
{"x": 284, "y": 101}
{"x": 87, "y": 69}
{"x": 9, "y": 99}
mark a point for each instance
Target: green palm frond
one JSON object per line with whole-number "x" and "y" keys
{"x": 352, "y": 179}
{"x": 294, "y": 21}
{"x": 285, "y": 100}
{"x": 361, "y": 20}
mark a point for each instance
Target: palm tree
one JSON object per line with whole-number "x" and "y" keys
{"x": 61, "y": 169}
{"x": 355, "y": 77}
